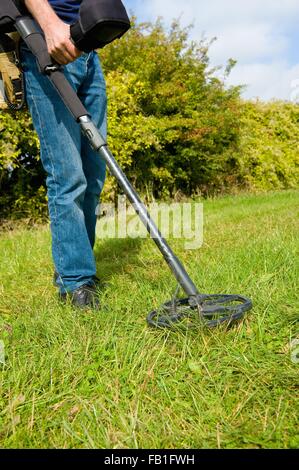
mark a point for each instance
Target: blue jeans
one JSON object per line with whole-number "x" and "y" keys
{"x": 75, "y": 172}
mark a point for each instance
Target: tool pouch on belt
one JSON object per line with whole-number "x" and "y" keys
{"x": 11, "y": 76}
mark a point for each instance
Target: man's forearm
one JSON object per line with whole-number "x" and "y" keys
{"x": 57, "y": 33}
{"x": 44, "y": 14}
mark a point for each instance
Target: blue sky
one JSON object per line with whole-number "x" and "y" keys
{"x": 262, "y": 35}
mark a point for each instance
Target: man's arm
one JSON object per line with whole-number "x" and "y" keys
{"x": 57, "y": 33}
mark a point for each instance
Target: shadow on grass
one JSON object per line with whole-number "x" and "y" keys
{"x": 117, "y": 256}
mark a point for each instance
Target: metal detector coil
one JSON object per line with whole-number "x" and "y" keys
{"x": 206, "y": 310}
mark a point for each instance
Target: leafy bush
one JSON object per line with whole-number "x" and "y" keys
{"x": 21, "y": 175}
{"x": 268, "y": 155}
{"x": 172, "y": 124}
{"x": 173, "y": 127}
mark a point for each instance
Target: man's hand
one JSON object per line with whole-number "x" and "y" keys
{"x": 57, "y": 33}
{"x": 59, "y": 44}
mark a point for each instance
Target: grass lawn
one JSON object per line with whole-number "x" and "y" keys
{"x": 104, "y": 379}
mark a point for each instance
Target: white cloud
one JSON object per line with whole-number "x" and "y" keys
{"x": 268, "y": 81}
{"x": 247, "y": 43}
{"x": 215, "y": 13}
{"x": 256, "y": 33}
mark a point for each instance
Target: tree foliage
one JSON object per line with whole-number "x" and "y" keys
{"x": 172, "y": 123}
{"x": 268, "y": 154}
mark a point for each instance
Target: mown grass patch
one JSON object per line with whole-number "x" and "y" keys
{"x": 104, "y": 379}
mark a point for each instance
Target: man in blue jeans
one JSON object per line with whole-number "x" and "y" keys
{"x": 75, "y": 173}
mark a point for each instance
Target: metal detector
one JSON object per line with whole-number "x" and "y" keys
{"x": 210, "y": 310}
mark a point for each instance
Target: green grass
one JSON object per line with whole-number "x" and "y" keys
{"x": 104, "y": 379}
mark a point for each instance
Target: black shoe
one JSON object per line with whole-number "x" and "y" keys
{"x": 84, "y": 297}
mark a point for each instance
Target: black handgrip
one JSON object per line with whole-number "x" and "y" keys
{"x": 33, "y": 36}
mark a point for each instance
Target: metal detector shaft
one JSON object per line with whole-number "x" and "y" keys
{"x": 33, "y": 37}
{"x": 98, "y": 143}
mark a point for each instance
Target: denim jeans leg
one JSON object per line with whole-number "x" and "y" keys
{"x": 61, "y": 144}
{"x": 93, "y": 95}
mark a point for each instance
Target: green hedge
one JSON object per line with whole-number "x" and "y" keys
{"x": 268, "y": 155}
{"x": 173, "y": 126}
